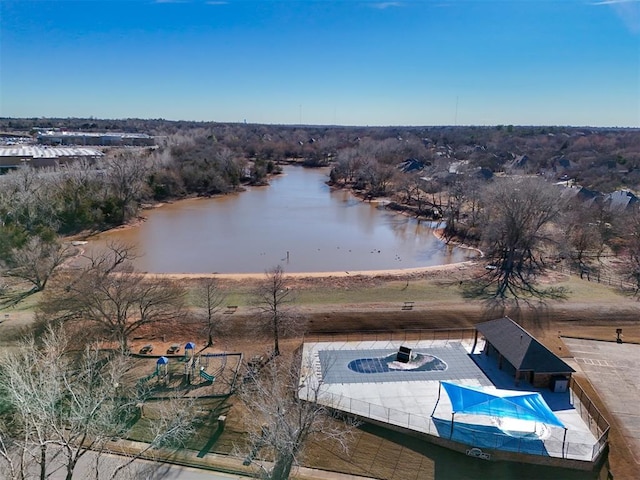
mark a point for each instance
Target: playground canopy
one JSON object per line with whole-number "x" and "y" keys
{"x": 162, "y": 361}
{"x": 500, "y": 403}
{"x": 190, "y": 346}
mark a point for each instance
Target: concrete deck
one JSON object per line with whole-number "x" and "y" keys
{"x": 415, "y": 401}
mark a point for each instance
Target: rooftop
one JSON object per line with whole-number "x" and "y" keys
{"x": 55, "y": 134}
{"x": 520, "y": 348}
{"x": 34, "y": 151}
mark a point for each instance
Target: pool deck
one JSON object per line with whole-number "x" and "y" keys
{"x": 414, "y": 400}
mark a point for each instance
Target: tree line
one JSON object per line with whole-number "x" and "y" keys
{"x": 483, "y": 193}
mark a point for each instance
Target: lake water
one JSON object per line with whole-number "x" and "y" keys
{"x": 297, "y": 222}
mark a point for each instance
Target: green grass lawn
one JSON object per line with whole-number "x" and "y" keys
{"x": 396, "y": 291}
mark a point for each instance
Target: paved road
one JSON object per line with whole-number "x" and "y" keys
{"x": 613, "y": 369}
{"x": 141, "y": 470}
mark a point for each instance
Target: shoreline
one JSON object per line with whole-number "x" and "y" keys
{"x": 437, "y": 232}
{"x": 398, "y": 272}
{"x": 392, "y": 272}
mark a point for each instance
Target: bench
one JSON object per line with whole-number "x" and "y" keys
{"x": 257, "y": 361}
{"x": 231, "y": 309}
{"x": 146, "y": 349}
{"x": 408, "y": 306}
{"x": 175, "y": 348}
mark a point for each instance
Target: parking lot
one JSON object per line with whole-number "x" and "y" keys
{"x": 613, "y": 369}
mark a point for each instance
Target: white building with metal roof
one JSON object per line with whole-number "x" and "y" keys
{"x": 51, "y": 137}
{"x": 14, "y": 156}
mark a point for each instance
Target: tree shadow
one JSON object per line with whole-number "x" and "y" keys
{"x": 533, "y": 309}
{"x": 11, "y": 299}
{"x": 217, "y": 431}
{"x": 452, "y": 465}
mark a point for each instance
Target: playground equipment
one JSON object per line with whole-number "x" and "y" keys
{"x": 190, "y": 368}
{"x": 206, "y": 376}
{"x": 162, "y": 368}
{"x": 199, "y": 362}
{"x": 204, "y": 360}
{"x": 160, "y": 372}
{"x": 189, "y": 349}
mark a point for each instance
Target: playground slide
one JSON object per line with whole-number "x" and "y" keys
{"x": 206, "y": 376}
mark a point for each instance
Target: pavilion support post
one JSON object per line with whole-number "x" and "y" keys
{"x": 475, "y": 342}
{"x": 564, "y": 440}
{"x": 438, "y": 400}
{"x": 451, "y": 432}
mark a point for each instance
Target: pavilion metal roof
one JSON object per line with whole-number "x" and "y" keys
{"x": 520, "y": 348}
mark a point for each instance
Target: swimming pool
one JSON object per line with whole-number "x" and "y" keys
{"x": 419, "y": 362}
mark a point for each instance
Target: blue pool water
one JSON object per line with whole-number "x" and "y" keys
{"x": 421, "y": 363}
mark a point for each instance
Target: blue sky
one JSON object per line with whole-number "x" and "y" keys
{"x": 347, "y": 62}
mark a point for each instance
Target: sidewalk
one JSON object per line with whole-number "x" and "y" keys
{"x": 218, "y": 463}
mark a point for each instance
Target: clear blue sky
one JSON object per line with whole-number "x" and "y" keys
{"x": 348, "y": 62}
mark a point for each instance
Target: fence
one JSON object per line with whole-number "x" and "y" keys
{"x": 482, "y": 436}
{"x": 590, "y": 415}
{"x": 457, "y": 334}
{"x": 599, "y": 277}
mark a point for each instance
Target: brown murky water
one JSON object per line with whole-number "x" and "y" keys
{"x": 297, "y": 222}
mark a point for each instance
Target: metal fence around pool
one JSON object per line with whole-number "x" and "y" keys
{"x": 457, "y": 334}
{"x": 475, "y": 436}
{"x": 590, "y": 415}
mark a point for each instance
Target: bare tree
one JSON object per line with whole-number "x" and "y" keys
{"x": 126, "y": 176}
{"x": 171, "y": 426}
{"x": 209, "y": 300}
{"x": 452, "y": 207}
{"x": 78, "y": 193}
{"x": 26, "y": 199}
{"x": 60, "y": 405}
{"x": 36, "y": 261}
{"x": 347, "y": 164}
{"x": 113, "y": 295}
{"x": 630, "y": 266}
{"x": 516, "y": 236}
{"x": 285, "y": 415}
{"x": 375, "y": 177}
{"x": 583, "y": 234}
{"x": 272, "y": 297}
